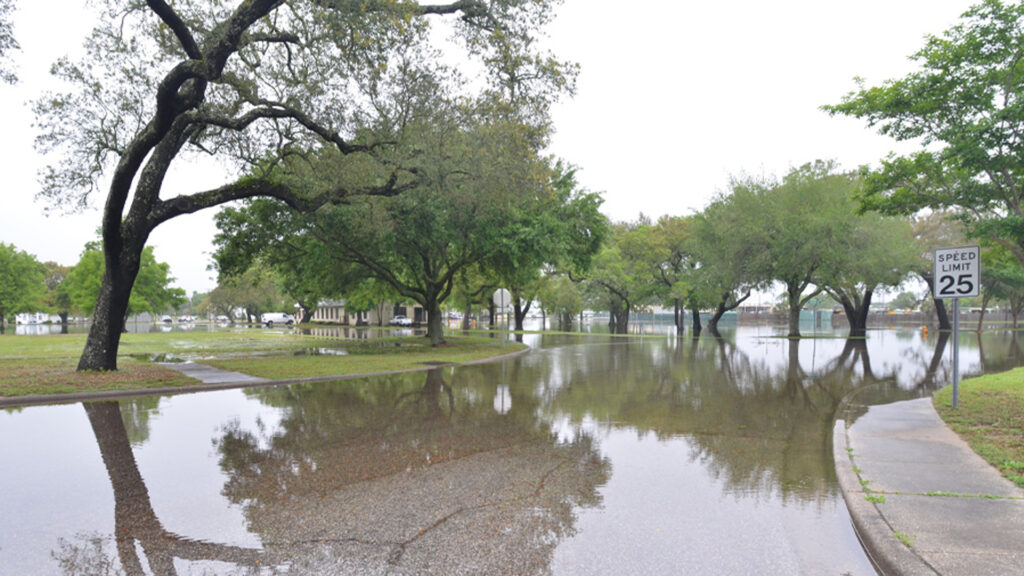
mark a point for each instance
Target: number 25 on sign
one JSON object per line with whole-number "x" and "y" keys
{"x": 958, "y": 272}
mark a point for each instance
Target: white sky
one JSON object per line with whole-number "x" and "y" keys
{"x": 672, "y": 98}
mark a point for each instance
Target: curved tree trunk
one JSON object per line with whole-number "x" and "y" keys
{"x": 101, "y": 346}
{"x": 724, "y": 306}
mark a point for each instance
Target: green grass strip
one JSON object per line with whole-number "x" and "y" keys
{"x": 990, "y": 418}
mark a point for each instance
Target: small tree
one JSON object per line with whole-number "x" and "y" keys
{"x": 152, "y": 292}
{"x": 21, "y": 282}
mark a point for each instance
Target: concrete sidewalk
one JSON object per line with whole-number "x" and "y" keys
{"x": 908, "y": 479}
{"x": 210, "y": 375}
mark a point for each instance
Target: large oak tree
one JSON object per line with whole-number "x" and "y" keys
{"x": 251, "y": 82}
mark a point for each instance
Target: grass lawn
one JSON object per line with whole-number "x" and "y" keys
{"x": 991, "y": 419}
{"x": 46, "y": 364}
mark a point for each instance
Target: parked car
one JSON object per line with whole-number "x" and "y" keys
{"x": 400, "y": 321}
{"x": 271, "y": 318}
{"x": 166, "y": 319}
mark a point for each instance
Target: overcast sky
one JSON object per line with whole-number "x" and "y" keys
{"x": 672, "y": 99}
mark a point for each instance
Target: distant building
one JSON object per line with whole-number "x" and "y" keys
{"x": 36, "y": 318}
{"x": 334, "y": 312}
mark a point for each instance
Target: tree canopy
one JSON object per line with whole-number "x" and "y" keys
{"x": 256, "y": 83}
{"x": 8, "y": 42}
{"x": 152, "y": 292}
{"x": 965, "y": 105}
{"x": 21, "y": 282}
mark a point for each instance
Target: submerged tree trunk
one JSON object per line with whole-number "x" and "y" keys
{"x": 856, "y": 312}
{"x": 940, "y": 305}
{"x": 679, "y": 317}
{"x": 618, "y": 318}
{"x": 794, "y": 320}
{"x": 725, "y": 306}
{"x": 697, "y": 328}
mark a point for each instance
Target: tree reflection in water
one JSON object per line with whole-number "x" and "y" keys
{"x": 136, "y": 526}
{"x": 388, "y": 474}
{"x": 761, "y": 426}
{"x": 393, "y": 475}
{"x": 421, "y": 473}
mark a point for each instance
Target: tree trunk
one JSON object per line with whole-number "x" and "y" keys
{"x": 520, "y": 312}
{"x": 984, "y": 306}
{"x": 679, "y": 317}
{"x": 794, "y": 315}
{"x": 104, "y": 338}
{"x": 857, "y": 313}
{"x": 304, "y": 314}
{"x": 940, "y": 305}
{"x": 723, "y": 307}
{"x": 622, "y": 320}
{"x": 697, "y": 328}
{"x": 435, "y": 327}
{"x": 943, "y": 315}
{"x": 467, "y": 314}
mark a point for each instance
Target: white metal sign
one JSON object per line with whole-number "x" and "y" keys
{"x": 958, "y": 272}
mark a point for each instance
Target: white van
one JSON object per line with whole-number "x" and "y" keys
{"x": 271, "y": 318}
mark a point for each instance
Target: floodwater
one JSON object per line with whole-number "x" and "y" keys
{"x": 595, "y": 456}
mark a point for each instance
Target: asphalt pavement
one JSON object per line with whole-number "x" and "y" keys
{"x": 921, "y": 500}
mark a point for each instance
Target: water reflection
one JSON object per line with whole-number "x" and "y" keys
{"x": 138, "y": 533}
{"x": 588, "y": 456}
{"x": 416, "y": 477}
{"x": 402, "y": 473}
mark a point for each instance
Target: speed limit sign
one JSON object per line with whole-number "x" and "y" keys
{"x": 958, "y": 272}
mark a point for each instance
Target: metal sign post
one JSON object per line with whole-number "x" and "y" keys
{"x": 957, "y": 275}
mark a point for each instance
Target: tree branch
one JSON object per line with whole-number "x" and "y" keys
{"x": 175, "y": 23}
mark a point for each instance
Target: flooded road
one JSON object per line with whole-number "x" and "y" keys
{"x": 586, "y": 456}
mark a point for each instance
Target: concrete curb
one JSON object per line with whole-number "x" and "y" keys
{"x": 73, "y": 398}
{"x": 885, "y": 551}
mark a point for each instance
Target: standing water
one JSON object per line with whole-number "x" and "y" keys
{"x": 596, "y": 455}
